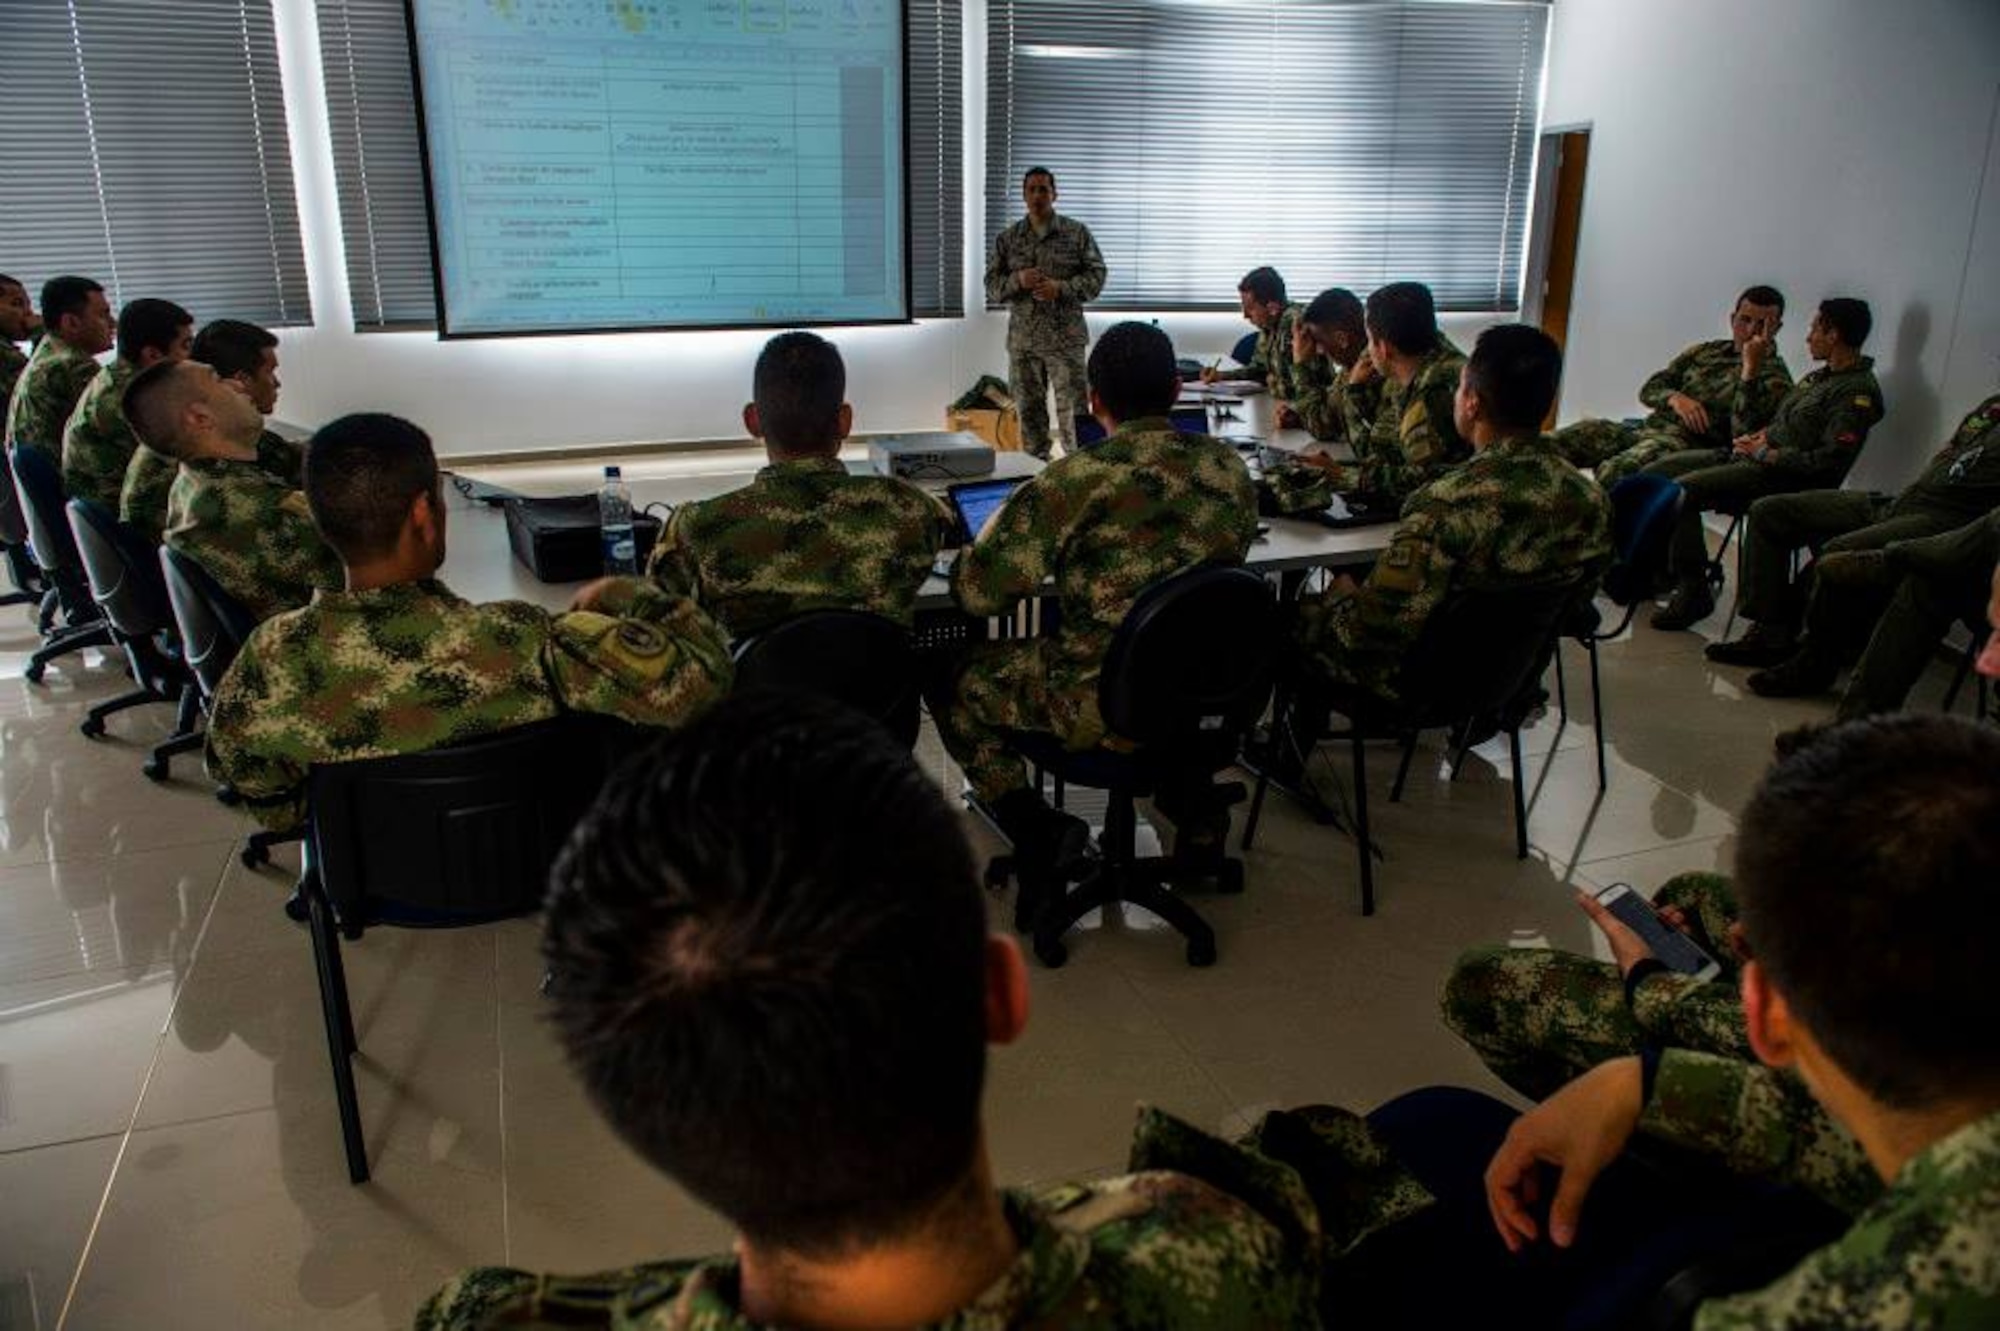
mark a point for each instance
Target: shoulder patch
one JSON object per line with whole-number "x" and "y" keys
{"x": 1863, "y": 400}
{"x": 295, "y": 502}
{"x": 640, "y": 638}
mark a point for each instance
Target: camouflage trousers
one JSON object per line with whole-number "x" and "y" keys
{"x": 1539, "y": 1018}
{"x": 1033, "y": 374}
{"x": 1617, "y": 450}
{"x": 1005, "y": 687}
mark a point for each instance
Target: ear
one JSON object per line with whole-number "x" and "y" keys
{"x": 1006, "y": 990}
{"x": 843, "y": 424}
{"x": 425, "y": 518}
{"x": 750, "y": 420}
{"x": 1101, "y": 413}
{"x": 1767, "y": 1019}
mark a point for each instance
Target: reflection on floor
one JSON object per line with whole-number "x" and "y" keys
{"x": 169, "y": 1155}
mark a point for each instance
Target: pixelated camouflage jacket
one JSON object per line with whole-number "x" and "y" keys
{"x": 1203, "y": 1233}
{"x": 149, "y": 479}
{"x": 1331, "y": 406}
{"x": 1271, "y": 364}
{"x": 411, "y": 667}
{"x": 1963, "y": 479}
{"x": 1067, "y": 252}
{"x": 1712, "y": 374}
{"x": 804, "y": 535}
{"x": 252, "y": 533}
{"x": 13, "y": 360}
{"x": 1413, "y": 437}
{"x": 1516, "y": 514}
{"x": 97, "y": 442}
{"x": 1820, "y": 426}
{"x": 1145, "y": 503}
{"x": 47, "y": 392}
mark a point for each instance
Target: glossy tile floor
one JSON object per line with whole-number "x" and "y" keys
{"x": 169, "y": 1154}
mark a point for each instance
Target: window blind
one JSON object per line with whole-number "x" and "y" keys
{"x": 1344, "y": 143}
{"x": 146, "y": 147}
{"x": 378, "y": 170}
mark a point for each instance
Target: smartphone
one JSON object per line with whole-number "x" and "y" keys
{"x": 1674, "y": 948}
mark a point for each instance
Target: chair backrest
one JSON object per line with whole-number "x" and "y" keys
{"x": 1245, "y": 349}
{"x": 125, "y": 577}
{"x": 850, "y": 656}
{"x": 456, "y": 834}
{"x": 38, "y": 482}
{"x": 212, "y": 623}
{"x": 1644, "y": 509}
{"x": 13, "y": 527}
{"x": 1190, "y": 668}
{"x": 1482, "y": 648}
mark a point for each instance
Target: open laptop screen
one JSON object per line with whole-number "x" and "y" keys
{"x": 977, "y": 501}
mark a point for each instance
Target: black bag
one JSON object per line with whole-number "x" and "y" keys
{"x": 561, "y": 540}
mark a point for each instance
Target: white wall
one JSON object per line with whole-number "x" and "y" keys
{"x": 1830, "y": 147}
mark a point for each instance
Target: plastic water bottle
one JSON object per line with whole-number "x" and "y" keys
{"x": 614, "y": 518}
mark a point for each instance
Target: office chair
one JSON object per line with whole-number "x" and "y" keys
{"x": 442, "y": 839}
{"x": 127, "y": 585}
{"x": 39, "y": 485}
{"x": 1245, "y": 349}
{"x": 1188, "y": 674}
{"x": 851, "y": 656}
{"x": 20, "y": 561}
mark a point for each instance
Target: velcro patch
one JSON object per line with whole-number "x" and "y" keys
{"x": 1864, "y": 401}
{"x": 1402, "y": 567}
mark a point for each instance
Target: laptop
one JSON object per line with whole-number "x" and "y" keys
{"x": 975, "y": 501}
{"x": 1187, "y": 417}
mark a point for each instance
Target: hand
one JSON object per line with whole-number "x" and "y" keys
{"x": 1746, "y": 445}
{"x": 1692, "y": 413}
{"x": 1362, "y": 370}
{"x": 1756, "y": 349}
{"x": 1343, "y": 584}
{"x": 1304, "y": 345}
{"x": 1627, "y": 948}
{"x": 595, "y": 595}
{"x": 1028, "y": 279}
{"x": 1578, "y": 1130}
{"x": 1288, "y": 419}
{"x": 1209, "y": 374}
{"x": 1048, "y": 289}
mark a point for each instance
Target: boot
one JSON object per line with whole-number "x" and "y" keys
{"x": 1049, "y": 845}
{"x": 1691, "y": 600}
{"x": 1804, "y": 675}
{"x": 1763, "y": 645}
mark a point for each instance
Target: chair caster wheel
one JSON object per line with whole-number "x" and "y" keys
{"x": 1229, "y": 878}
{"x": 255, "y": 857}
{"x": 295, "y": 909}
{"x": 1051, "y": 952}
{"x": 33, "y": 674}
{"x": 1201, "y": 952}
{"x": 155, "y": 769}
{"x": 226, "y": 795}
{"x": 998, "y": 870}
{"x": 92, "y": 727}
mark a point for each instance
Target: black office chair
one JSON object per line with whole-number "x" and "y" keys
{"x": 851, "y": 656}
{"x": 1188, "y": 674}
{"x": 14, "y": 552}
{"x": 1975, "y": 624}
{"x": 127, "y": 585}
{"x": 436, "y": 840}
{"x": 38, "y": 483}
{"x": 1478, "y": 656}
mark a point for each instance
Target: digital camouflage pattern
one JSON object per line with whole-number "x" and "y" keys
{"x": 97, "y": 442}
{"x": 1145, "y": 503}
{"x": 252, "y": 533}
{"x": 1271, "y": 364}
{"x": 1412, "y": 439}
{"x": 1709, "y": 372}
{"x": 805, "y": 535}
{"x": 1046, "y": 338}
{"x": 1516, "y": 514}
{"x": 149, "y": 479}
{"x": 1539, "y": 1018}
{"x": 47, "y": 392}
{"x": 411, "y": 667}
{"x": 1202, "y": 1233}
{"x": 1331, "y": 406}
{"x": 13, "y": 360}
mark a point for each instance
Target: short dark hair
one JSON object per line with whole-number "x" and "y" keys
{"x": 149, "y": 323}
{"x": 1869, "y": 868}
{"x": 1263, "y": 285}
{"x": 153, "y": 403}
{"x": 799, "y": 384}
{"x": 1336, "y": 307}
{"x": 233, "y": 347}
{"x": 1034, "y": 171}
{"x": 1404, "y": 315}
{"x": 1761, "y": 295}
{"x": 1132, "y": 371}
{"x": 766, "y": 959}
{"x": 362, "y": 473}
{"x": 68, "y": 294}
{"x": 1514, "y": 370}
{"x": 1846, "y": 315}
{"x": 6, "y": 281}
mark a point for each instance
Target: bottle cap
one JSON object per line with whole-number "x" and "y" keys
{"x": 612, "y": 472}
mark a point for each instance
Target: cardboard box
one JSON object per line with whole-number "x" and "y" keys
{"x": 998, "y": 426}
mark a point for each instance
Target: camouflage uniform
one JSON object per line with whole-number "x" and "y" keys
{"x": 1930, "y": 584}
{"x": 97, "y": 443}
{"x": 1144, "y": 504}
{"x": 805, "y": 535}
{"x": 46, "y": 393}
{"x": 149, "y": 479}
{"x": 252, "y": 533}
{"x": 1046, "y": 339}
{"x": 1539, "y": 1018}
{"x": 411, "y": 667}
{"x": 1516, "y": 514}
{"x": 1329, "y": 403}
{"x": 13, "y": 360}
{"x": 1271, "y": 364}
{"x": 1709, "y": 372}
{"x": 1412, "y": 439}
{"x": 1201, "y": 1233}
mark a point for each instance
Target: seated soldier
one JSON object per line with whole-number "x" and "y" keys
{"x": 396, "y": 663}
{"x": 768, "y": 961}
{"x": 77, "y": 330}
{"x": 806, "y": 534}
{"x": 97, "y": 442}
{"x": 250, "y": 531}
{"x": 1144, "y": 504}
{"x": 1704, "y": 398}
{"x": 1516, "y": 514}
{"x": 1960, "y": 485}
{"x": 17, "y": 323}
{"x": 1336, "y": 390}
{"x": 1813, "y": 438}
{"x": 1262, "y": 296}
{"x": 242, "y": 354}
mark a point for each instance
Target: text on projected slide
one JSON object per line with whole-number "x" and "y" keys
{"x": 647, "y": 163}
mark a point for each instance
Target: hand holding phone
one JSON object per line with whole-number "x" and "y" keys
{"x": 1619, "y": 909}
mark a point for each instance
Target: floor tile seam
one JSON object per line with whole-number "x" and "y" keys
{"x": 500, "y": 1090}
{"x": 8, "y": 1153}
{"x": 118, "y": 854}
{"x": 1194, "y": 1060}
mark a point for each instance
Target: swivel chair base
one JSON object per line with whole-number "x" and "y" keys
{"x": 64, "y": 641}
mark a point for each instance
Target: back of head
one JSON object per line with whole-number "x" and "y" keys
{"x": 362, "y": 474}
{"x": 155, "y": 403}
{"x": 1869, "y": 868}
{"x": 66, "y": 295}
{"x": 766, "y": 952}
{"x": 1264, "y": 286}
{"x": 1132, "y": 371}
{"x": 149, "y": 324}
{"x": 1404, "y": 315}
{"x": 799, "y": 385}
{"x": 1513, "y": 371}
{"x": 1337, "y": 308}
{"x": 232, "y": 346}
{"x": 1763, "y": 296}
{"x": 1846, "y": 315}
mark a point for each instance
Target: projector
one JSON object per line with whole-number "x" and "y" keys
{"x": 931, "y": 457}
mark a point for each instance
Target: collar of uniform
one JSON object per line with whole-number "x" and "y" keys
{"x": 394, "y": 594}
{"x": 1518, "y": 445}
{"x": 222, "y": 466}
{"x": 803, "y": 467}
{"x": 1866, "y": 365}
{"x": 52, "y": 347}
{"x": 1056, "y": 223}
{"x": 1142, "y": 425}
{"x": 1969, "y": 1155}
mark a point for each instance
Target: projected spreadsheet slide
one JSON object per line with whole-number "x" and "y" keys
{"x": 647, "y": 163}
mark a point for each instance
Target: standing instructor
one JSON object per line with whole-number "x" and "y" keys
{"x": 1043, "y": 268}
